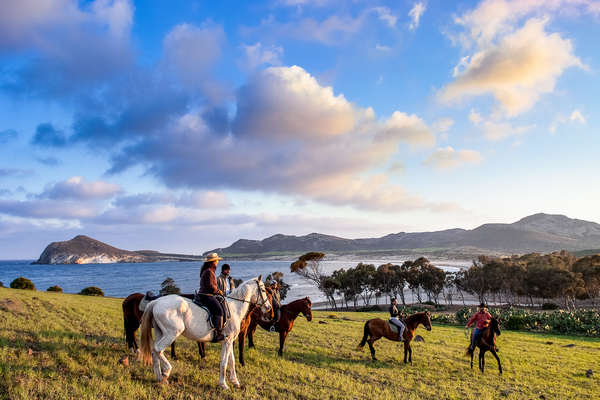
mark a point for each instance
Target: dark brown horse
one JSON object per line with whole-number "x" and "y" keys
{"x": 132, "y": 318}
{"x": 377, "y": 328}
{"x": 288, "y": 314}
{"x": 487, "y": 342}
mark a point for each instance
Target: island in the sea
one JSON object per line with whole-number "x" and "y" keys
{"x": 85, "y": 250}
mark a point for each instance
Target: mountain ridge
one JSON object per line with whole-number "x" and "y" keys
{"x": 535, "y": 233}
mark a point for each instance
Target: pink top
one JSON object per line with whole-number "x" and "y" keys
{"x": 481, "y": 319}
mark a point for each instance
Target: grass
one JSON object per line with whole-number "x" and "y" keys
{"x": 76, "y": 342}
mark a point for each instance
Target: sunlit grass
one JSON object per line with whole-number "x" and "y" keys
{"x": 76, "y": 342}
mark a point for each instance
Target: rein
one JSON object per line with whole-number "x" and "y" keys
{"x": 250, "y": 302}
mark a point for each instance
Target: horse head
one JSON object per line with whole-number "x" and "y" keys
{"x": 495, "y": 326}
{"x": 426, "y": 320}
{"x": 307, "y": 308}
{"x": 260, "y": 297}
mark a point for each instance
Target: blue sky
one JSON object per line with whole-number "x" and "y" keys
{"x": 183, "y": 126}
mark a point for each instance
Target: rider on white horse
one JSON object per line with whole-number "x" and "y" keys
{"x": 207, "y": 295}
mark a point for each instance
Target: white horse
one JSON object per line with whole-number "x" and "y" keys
{"x": 173, "y": 315}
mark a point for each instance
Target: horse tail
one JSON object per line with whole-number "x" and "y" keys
{"x": 367, "y": 333}
{"x": 146, "y": 342}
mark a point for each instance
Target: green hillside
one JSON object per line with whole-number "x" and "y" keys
{"x": 59, "y": 346}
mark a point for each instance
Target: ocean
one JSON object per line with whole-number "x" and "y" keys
{"x": 120, "y": 280}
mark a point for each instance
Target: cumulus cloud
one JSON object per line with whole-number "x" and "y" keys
{"x": 77, "y": 187}
{"x": 497, "y": 129}
{"x": 444, "y": 158}
{"x": 415, "y": 14}
{"x": 272, "y": 148}
{"x": 517, "y": 70}
{"x": 576, "y": 116}
{"x": 47, "y": 209}
{"x": 443, "y": 124}
{"x": 257, "y": 55}
{"x": 73, "y": 46}
{"x": 385, "y": 15}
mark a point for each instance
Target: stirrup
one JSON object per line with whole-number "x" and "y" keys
{"x": 272, "y": 328}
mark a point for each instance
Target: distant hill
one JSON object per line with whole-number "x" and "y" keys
{"x": 85, "y": 250}
{"x": 535, "y": 233}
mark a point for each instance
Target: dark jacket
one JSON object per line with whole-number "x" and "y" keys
{"x": 208, "y": 282}
{"x": 394, "y": 311}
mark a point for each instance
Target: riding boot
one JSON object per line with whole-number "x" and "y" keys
{"x": 218, "y": 324}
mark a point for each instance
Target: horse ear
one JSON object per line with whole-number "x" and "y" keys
{"x": 259, "y": 278}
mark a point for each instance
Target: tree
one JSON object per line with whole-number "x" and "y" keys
{"x": 22, "y": 283}
{"x": 54, "y": 288}
{"x": 309, "y": 267}
{"x": 168, "y": 287}
{"x": 283, "y": 287}
{"x": 92, "y": 291}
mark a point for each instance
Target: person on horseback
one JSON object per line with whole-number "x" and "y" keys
{"x": 395, "y": 320}
{"x": 276, "y": 302}
{"x": 225, "y": 281}
{"x": 481, "y": 319}
{"x": 207, "y": 295}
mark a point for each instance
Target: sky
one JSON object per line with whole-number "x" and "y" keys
{"x": 183, "y": 126}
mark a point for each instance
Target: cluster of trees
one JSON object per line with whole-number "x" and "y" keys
{"x": 528, "y": 279}
{"x": 532, "y": 278}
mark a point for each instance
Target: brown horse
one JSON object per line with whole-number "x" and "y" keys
{"x": 377, "y": 328}
{"x": 132, "y": 318}
{"x": 288, "y": 314}
{"x": 487, "y": 342}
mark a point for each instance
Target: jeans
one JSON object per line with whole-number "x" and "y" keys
{"x": 476, "y": 334}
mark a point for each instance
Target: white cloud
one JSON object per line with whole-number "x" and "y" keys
{"x": 415, "y": 13}
{"x": 576, "y": 116}
{"x": 385, "y": 15}
{"x": 475, "y": 117}
{"x": 517, "y": 70}
{"x": 77, "y": 187}
{"x": 447, "y": 158}
{"x": 258, "y": 55}
{"x": 380, "y": 47}
{"x": 443, "y": 124}
{"x": 408, "y": 128}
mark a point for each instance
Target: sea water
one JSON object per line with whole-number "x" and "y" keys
{"x": 122, "y": 279}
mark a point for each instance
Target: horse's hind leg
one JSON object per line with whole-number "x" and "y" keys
{"x": 482, "y": 361}
{"x": 472, "y": 359}
{"x": 231, "y": 365}
{"x": 371, "y": 341}
{"x": 493, "y": 351}
{"x": 201, "y": 350}
{"x": 173, "y": 355}
{"x": 159, "y": 346}
{"x": 282, "y": 336}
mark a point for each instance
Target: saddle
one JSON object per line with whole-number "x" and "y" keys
{"x": 394, "y": 328}
{"x": 148, "y": 297}
{"x": 198, "y": 300}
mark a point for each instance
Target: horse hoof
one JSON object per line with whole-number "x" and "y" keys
{"x": 164, "y": 381}
{"x": 224, "y": 386}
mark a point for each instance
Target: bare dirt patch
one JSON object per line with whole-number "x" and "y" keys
{"x": 12, "y": 305}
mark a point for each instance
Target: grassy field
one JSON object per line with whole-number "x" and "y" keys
{"x": 59, "y": 346}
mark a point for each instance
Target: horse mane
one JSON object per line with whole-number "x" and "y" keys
{"x": 416, "y": 315}
{"x": 295, "y": 302}
{"x": 241, "y": 291}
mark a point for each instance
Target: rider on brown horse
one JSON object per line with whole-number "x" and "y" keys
{"x": 394, "y": 320}
{"x": 482, "y": 320}
{"x": 207, "y": 295}
{"x": 276, "y": 302}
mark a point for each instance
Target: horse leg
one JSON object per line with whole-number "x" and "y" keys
{"x": 173, "y": 356}
{"x": 223, "y": 365}
{"x": 482, "y": 357}
{"x": 371, "y": 341}
{"x": 251, "y": 330}
{"x": 241, "y": 340}
{"x": 201, "y": 350}
{"x": 493, "y": 351}
{"x": 282, "y": 336}
{"x": 231, "y": 361}
{"x": 159, "y": 347}
{"x": 409, "y": 353}
{"x": 472, "y": 359}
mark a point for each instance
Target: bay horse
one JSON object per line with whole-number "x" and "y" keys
{"x": 377, "y": 328}
{"x": 173, "y": 315}
{"x": 487, "y": 342}
{"x": 132, "y": 319}
{"x": 288, "y": 314}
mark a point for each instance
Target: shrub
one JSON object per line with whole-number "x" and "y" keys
{"x": 54, "y": 288}
{"x": 1, "y": 284}
{"x": 92, "y": 291}
{"x": 550, "y": 306}
{"x": 22, "y": 283}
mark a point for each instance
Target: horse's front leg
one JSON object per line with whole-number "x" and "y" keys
{"x": 497, "y": 359}
{"x": 482, "y": 357}
{"x": 282, "y": 336}
{"x": 231, "y": 362}
{"x": 201, "y": 350}
{"x": 406, "y": 347}
{"x": 223, "y": 365}
{"x": 173, "y": 356}
{"x": 251, "y": 330}
{"x": 241, "y": 340}
{"x": 409, "y": 353}
{"x": 472, "y": 359}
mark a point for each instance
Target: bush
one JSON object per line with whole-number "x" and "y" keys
{"x": 54, "y": 288}
{"x": 92, "y": 291}
{"x": 550, "y": 306}
{"x": 1, "y": 284}
{"x": 22, "y": 283}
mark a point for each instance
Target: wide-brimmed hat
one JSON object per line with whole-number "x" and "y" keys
{"x": 212, "y": 257}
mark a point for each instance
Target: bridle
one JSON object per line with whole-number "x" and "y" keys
{"x": 264, "y": 300}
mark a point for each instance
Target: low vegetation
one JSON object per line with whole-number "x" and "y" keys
{"x": 92, "y": 291}
{"x": 54, "y": 288}
{"x": 61, "y": 346}
{"x": 22, "y": 283}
